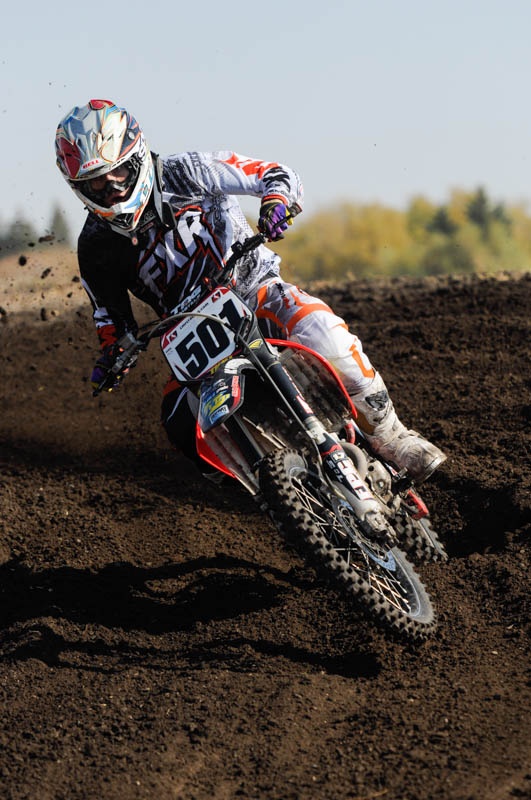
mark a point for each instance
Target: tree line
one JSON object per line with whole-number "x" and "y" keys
{"x": 469, "y": 233}
{"x": 19, "y": 233}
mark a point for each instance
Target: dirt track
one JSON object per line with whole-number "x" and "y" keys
{"x": 157, "y": 642}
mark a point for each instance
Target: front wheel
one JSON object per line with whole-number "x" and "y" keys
{"x": 324, "y": 529}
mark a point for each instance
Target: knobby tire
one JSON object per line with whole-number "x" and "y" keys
{"x": 382, "y": 582}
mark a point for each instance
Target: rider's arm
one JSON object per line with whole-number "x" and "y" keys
{"x": 227, "y": 173}
{"x": 103, "y": 266}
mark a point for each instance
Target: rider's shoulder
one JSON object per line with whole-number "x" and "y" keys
{"x": 95, "y": 228}
{"x": 97, "y": 238}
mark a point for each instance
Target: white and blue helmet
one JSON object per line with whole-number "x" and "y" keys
{"x": 95, "y": 139}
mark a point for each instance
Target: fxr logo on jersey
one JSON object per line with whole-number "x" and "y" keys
{"x": 180, "y": 258}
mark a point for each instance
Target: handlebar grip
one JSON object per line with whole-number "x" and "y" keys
{"x": 294, "y": 210}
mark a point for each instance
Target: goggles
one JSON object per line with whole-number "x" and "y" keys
{"x": 117, "y": 180}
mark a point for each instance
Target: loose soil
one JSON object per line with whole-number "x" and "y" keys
{"x": 156, "y": 639}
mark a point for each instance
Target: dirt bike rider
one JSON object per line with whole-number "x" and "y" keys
{"x": 157, "y": 226}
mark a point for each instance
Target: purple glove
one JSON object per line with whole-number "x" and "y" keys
{"x": 273, "y": 221}
{"x": 101, "y": 374}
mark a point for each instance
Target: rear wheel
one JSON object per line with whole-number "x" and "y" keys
{"x": 324, "y": 530}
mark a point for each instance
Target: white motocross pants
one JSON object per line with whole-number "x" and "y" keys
{"x": 290, "y": 313}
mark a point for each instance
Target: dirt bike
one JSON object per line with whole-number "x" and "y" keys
{"x": 275, "y": 416}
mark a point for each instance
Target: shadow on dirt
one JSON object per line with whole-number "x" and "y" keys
{"x": 104, "y": 460}
{"x": 487, "y": 516}
{"x": 156, "y": 600}
{"x": 64, "y": 616}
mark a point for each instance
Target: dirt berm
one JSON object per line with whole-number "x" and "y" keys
{"x": 156, "y": 640}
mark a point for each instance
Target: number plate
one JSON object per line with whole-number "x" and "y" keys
{"x": 195, "y": 345}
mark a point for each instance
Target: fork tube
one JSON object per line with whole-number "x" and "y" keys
{"x": 336, "y": 463}
{"x": 289, "y": 393}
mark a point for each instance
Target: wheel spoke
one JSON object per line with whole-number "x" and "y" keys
{"x": 382, "y": 580}
{"x": 325, "y": 530}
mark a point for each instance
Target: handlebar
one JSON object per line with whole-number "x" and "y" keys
{"x": 240, "y": 249}
{"x": 129, "y": 345}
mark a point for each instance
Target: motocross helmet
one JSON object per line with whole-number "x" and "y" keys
{"x": 97, "y": 139}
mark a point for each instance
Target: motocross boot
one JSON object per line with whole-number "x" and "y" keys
{"x": 389, "y": 438}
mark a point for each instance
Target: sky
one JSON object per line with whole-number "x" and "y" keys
{"x": 375, "y": 101}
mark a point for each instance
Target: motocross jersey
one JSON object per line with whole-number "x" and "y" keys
{"x": 168, "y": 259}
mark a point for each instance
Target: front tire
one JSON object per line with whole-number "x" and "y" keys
{"x": 324, "y": 530}
{"x": 418, "y": 539}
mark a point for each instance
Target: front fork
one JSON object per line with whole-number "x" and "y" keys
{"x": 337, "y": 466}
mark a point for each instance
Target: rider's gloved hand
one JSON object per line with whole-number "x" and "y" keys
{"x": 274, "y": 219}
{"x": 101, "y": 374}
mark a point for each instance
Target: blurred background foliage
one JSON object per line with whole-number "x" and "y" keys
{"x": 470, "y": 233}
{"x": 20, "y": 233}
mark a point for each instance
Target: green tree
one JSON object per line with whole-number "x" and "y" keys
{"x": 499, "y": 214}
{"x": 19, "y": 234}
{"x": 419, "y": 215}
{"x": 479, "y": 211}
{"x": 441, "y": 222}
{"x": 59, "y": 228}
